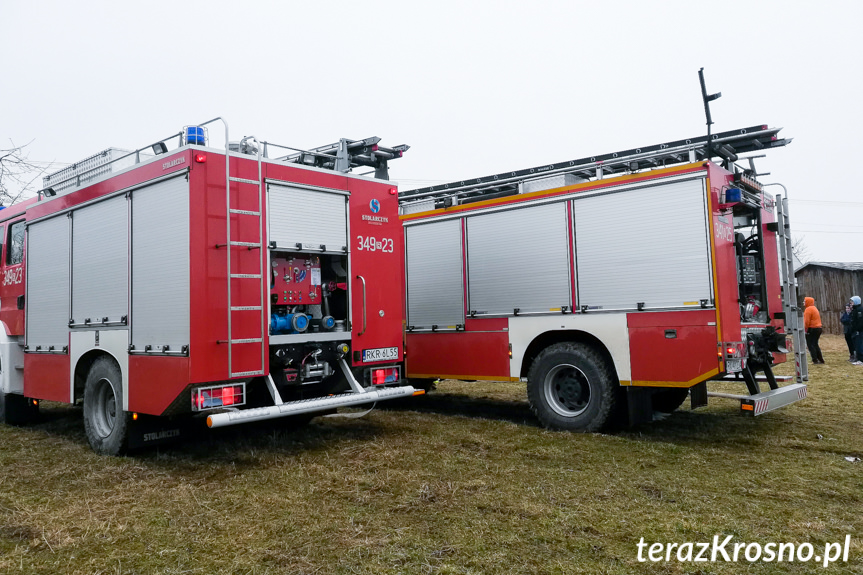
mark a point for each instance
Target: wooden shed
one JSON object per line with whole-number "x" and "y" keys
{"x": 831, "y": 284}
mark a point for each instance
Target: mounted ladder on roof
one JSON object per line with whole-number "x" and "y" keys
{"x": 726, "y": 145}
{"x": 345, "y": 155}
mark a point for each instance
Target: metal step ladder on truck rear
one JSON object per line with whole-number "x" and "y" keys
{"x": 615, "y": 285}
{"x": 760, "y": 348}
{"x": 212, "y": 281}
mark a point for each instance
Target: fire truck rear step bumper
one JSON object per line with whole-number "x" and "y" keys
{"x": 309, "y": 406}
{"x": 761, "y": 403}
{"x": 731, "y": 377}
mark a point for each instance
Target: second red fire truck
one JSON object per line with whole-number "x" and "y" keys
{"x": 615, "y": 285}
{"x": 228, "y": 283}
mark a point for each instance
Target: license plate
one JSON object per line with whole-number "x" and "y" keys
{"x": 733, "y": 365}
{"x": 380, "y": 354}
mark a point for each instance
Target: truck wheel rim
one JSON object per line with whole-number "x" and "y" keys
{"x": 567, "y": 390}
{"x": 105, "y": 411}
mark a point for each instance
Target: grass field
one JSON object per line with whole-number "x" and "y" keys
{"x": 460, "y": 481}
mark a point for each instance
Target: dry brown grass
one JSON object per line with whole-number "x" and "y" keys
{"x": 461, "y": 481}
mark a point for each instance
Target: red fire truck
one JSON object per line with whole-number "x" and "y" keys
{"x": 219, "y": 282}
{"x": 616, "y": 285}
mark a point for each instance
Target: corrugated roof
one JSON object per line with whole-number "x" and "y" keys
{"x": 847, "y": 266}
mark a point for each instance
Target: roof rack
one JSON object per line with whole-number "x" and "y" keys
{"x": 341, "y": 156}
{"x": 726, "y": 145}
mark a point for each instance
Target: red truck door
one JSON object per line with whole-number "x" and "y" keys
{"x": 377, "y": 260}
{"x": 12, "y": 276}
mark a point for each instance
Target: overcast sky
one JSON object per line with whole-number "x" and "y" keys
{"x": 474, "y": 88}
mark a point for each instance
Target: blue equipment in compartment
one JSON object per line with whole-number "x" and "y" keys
{"x": 290, "y": 323}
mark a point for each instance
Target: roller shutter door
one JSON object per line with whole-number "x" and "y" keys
{"x": 48, "y": 284}
{"x": 100, "y": 254}
{"x": 160, "y": 265}
{"x": 645, "y": 246}
{"x": 310, "y": 217}
{"x": 434, "y": 275}
{"x": 518, "y": 259}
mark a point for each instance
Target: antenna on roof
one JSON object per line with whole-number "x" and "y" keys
{"x": 707, "y": 99}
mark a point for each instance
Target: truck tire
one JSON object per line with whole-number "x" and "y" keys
{"x": 105, "y": 422}
{"x": 570, "y": 387}
{"x": 16, "y": 409}
{"x": 668, "y": 400}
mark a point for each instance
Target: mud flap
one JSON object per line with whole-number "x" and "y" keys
{"x": 149, "y": 430}
{"x": 698, "y": 395}
{"x": 16, "y": 409}
{"x": 639, "y": 405}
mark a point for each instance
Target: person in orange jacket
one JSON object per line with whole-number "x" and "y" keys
{"x": 812, "y": 325}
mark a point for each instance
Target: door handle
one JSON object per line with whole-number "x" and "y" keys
{"x": 364, "y": 304}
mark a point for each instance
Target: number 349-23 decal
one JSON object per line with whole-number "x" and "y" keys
{"x": 372, "y": 244}
{"x": 11, "y": 277}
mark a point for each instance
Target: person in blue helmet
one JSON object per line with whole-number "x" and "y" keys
{"x": 857, "y": 327}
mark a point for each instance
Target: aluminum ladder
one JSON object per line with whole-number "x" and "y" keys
{"x": 243, "y": 362}
{"x": 726, "y": 145}
{"x": 793, "y": 321}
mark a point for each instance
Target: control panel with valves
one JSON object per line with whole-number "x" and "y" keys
{"x": 305, "y": 294}
{"x": 295, "y": 280}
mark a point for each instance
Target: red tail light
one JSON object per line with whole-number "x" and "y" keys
{"x": 383, "y": 375}
{"x": 733, "y": 349}
{"x": 200, "y": 158}
{"x": 218, "y": 396}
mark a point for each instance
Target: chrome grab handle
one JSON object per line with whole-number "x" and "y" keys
{"x": 364, "y": 305}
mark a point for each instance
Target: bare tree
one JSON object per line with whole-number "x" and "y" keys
{"x": 17, "y": 174}
{"x": 800, "y": 249}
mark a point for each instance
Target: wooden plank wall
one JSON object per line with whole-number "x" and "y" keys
{"x": 831, "y": 288}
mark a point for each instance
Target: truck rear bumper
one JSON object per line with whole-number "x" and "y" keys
{"x": 309, "y": 406}
{"x": 764, "y": 402}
